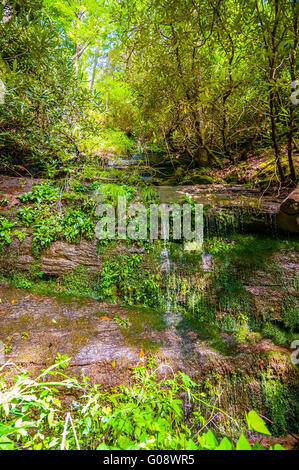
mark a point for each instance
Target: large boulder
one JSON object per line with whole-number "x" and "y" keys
{"x": 288, "y": 216}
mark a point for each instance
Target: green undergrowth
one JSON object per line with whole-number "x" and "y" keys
{"x": 121, "y": 279}
{"x": 237, "y": 261}
{"x": 66, "y": 210}
{"x": 147, "y": 414}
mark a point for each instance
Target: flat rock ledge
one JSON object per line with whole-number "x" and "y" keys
{"x": 59, "y": 258}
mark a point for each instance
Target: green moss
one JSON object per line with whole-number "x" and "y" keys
{"x": 197, "y": 179}
{"x": 186, "y": 261}
{"x": 75, "y": 284}
{"x": 264, "y": 175}
{"x": 149, "y": 194}
{"x": 290, "y": 312}
{"x": 277, "y": 398}
{"x": 275, "y": 333}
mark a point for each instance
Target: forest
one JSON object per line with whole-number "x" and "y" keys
{"x": 132, "y": 336}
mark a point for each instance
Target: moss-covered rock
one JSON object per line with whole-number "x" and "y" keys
{"x": 288, "y": 217}
{"x": 197, "y": 177}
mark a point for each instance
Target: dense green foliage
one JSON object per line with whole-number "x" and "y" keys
{"x": 218, "y": 71}
{"x": 123, "y": 278}
{"x": 205, "y": 80}
{"x": 65, "y": 212}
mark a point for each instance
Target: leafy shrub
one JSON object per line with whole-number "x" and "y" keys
{"x": 5, "y": 231}
{"x": 76, "y": 224}
{"x": 43, "y": 192}
{"x": 146, "y": 415}
{"x": 28, "y": 215}
{"x": 125, "y": 278}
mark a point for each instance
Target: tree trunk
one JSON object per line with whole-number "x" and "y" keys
{"x": 292, "y": 106}
{"x": 272, "y": 81}
{"x": 76, "y": 60}
{"x": 224, "y": 123}
{"x": 77, "y": 47}
{"x": 274, "y": 135}
{"x": 94, "y": 69}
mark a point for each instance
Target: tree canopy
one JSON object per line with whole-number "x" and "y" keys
{"x": 208, "y": 79}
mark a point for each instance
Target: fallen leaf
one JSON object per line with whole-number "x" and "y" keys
{"x": 141, "y": 358}
{"x": 105, "y": 318}
{"x": 12, "y": 301}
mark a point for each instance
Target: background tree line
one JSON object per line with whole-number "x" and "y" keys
{"x": 209, "y": 79}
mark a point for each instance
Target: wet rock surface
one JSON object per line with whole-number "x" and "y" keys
{"x": 245, "y": 209}
{"x": 37, "y": 327}
{"x": 225, "y": 196}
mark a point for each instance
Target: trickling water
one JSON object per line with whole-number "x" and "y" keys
{"x": 165, "y": 266}
{"x": 273, "y": 224}
{"x": 172, "y": 315}
{"x": 207, "y": 262}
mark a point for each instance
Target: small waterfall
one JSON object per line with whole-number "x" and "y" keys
{"x": 172, "y": 314}
{"x": 165, "y": 266}
{"x": 207, "y": 226}
{"x": 273, "y": 224}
